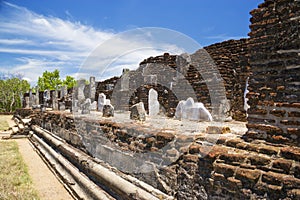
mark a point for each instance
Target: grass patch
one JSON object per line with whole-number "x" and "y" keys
{"x": 3, "y": 122}
{"x": 15, "y": 182}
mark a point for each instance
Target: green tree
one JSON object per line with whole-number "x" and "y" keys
{"x": 49, "y": 80}
{"x": 69, "y": 81}
{"x": 11, "y": 91}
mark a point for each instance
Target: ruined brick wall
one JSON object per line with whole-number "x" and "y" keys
{"x": 232, "y": 62}
{"x": 106, "y": 87}
{"x": 274, "y": 95}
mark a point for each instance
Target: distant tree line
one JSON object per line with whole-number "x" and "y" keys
{"x": 13, "y": 87}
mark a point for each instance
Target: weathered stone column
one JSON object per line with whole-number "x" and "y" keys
{"x": 63, "y": 91}
{"x": 30, "y": 98}
{"x": 37, "y": 96}
{"x": 54, "y": 100}
{"x": 27, "y": 102}
{"x": 92, "y": 88}
{"x": 80, "y": 90}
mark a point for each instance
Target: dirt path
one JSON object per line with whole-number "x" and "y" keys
{"x": 44, "y": 181}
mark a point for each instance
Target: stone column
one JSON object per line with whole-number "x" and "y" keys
{"x": 101, "y": 101}
{"x": 80, "y": 90}
{"x": 37, "y": 96}
{"x": 27, "y": 102}
{"x": 63, "y": 91}
{"x": 30, "y": 98}
{"x": 153, "y": 103}
{"x": 54, "y": 100}
{"x": 92, "y": 88}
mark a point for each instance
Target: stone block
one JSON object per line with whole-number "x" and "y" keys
{"x": 268, "y": 149}
{"x": 227, "y": 170}
{"x": 247, "y": 176}
{"x": 217, "y": 130}
{"x": 234, "y": 184}
{"x": 108, "y": 111}
{"x": 272, "y": 178}
{"x": 294, "y": 194}
{"x": 259, "y": 160}
{"x": 292, "y": 153}
{"x": 194, "y": 148}
{"x": 137, "y": 112}
{"x": 190, "y": 158}
{"x": 283, "y": 164}
{"x": 233, "y": 158}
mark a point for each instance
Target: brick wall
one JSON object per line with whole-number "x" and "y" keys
{"x": 230, "y": 59}
{"x": 274, "y": 86}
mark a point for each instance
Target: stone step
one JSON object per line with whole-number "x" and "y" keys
{"x": 15, "y": 130}
{"x": 26, "y": 120}
{"x": 21, "y": 126}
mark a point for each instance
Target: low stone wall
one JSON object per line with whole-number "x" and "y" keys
{"x": 230, "y": 169}
{"x": 235, "y": 169}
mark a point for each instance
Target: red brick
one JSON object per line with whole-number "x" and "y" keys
{"x": 233, "y": 158}
{"x": 272, "y": 178}
{"x": 227, "y": 170}
{"x": 294, "y": 194}
{"x": 259, "y": 160}
{"x": 289, "y": 182}
{"x": 234, "y": 183}
{"x": 290, "y": 122}
{"x": 194, "y": 148}
{"x": 268, "y": 149}
{"x": 190, "y": 158}
{"x": 247, "y": 176}
{"x": 294, "y": 114}
{"x": 278, "y": 113}
{"x": 292, "y": 153}
{"x": 283, "y": 164}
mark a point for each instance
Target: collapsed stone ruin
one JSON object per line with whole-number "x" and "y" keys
{"x": 218, "y": 89}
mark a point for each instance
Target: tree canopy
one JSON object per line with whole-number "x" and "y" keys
{"x": 69, "y": 81}
{"x": 49, "y": 80}
{"x": 11, "y": 91}
{"x": 52, "y": 81}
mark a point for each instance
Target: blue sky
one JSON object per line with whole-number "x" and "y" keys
{"x": 60, "y": 34}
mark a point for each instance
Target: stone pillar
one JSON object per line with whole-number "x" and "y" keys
{"x": 37, "y": 96}
{"x": 30, "y": 98}
{"x": 27, "y": 102}
{"x": 86, "y": 107}
{"x": 74, "y": 105}
{"x": 92, "y": 88}
{"x": 63, "y": 91}
{"x": 62, "y": 106}
{"x": 153, "y": 103}
{"x": 125, "y": 82}
{"x": 80, "y": 90}
{"x": 54, "y": 100}
{"x": 101, "y": 101}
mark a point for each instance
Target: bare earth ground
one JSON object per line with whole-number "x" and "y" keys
{"x": 44, "y": 181}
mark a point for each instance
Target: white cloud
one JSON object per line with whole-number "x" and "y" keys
{"x": 15, "y": 42}
{"x": 38, "y": 43}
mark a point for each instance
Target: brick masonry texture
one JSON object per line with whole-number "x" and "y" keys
{"x": 229, "y": 58}
{"x": 262, "y": 164}
{"x": 274, "y": 87}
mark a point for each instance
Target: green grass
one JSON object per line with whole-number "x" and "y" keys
{"x": 3, "y": 122}
{"x": 15, "y": 182}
